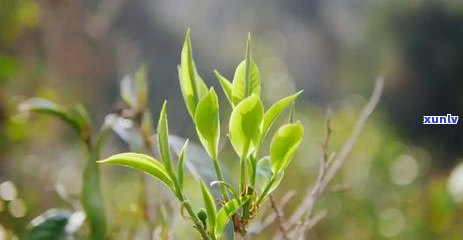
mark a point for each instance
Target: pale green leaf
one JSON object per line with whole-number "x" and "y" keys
{"x": 143, "y": 163}
{"x": 275, "y": 110}
{"x": 181, "y": 165}
{"x": 146, "y": 126}
{"x": 192, "y": 86}
{"x": 141, "y": 87}
{"x": 226, "y": 86}
{"x": 247, "y": 78}
{"x": 245, "y": 125}
{"x": 128, "y": 91}
{"x": 230, "y": 187}
{"x": 284, "y": 145}
{"x": 163, "y": 141}
{"x": 208, "y": 123}
{"x": 265, "y": 174}
{"x": 209, "y": 204}
{"x": 224, "y": 214}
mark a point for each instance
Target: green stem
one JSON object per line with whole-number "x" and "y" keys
{"x": 219, "y": 174}
{"x": 265, "y": 192}
{"x": 92, "y": 199}
{"x": 181, "y": 197}
{"x": 243, "y": 175}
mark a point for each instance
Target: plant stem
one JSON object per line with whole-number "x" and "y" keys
{"x": 266, "y": 189}
{"x": 243, "y": 175}
{"x": 219, "y": 174}
{"x": 92, "y": 199}
{"x": 189, "y": 208}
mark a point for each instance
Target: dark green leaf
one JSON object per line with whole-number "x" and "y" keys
{"x": 50, "y": 226}
{"x": 40, "y": 105}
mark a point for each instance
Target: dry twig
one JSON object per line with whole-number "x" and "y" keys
{"x": 329, "y": 168}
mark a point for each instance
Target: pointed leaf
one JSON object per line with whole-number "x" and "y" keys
{"x": 245, "y": 125}
{"x": 197, "y": 161}
{"x": 265, "y": 174}
{"x": 181, "y": 165}
{"x": 163, "y": 141}
{"x": 126, "y": 130}
{"x": 247, "y": 78}
{"x": 226, "y": 86}
{"x": 224, "y": 215}
{"x": 275, "y": 110}
{"x": 40, "y": 105}
{"x": 141, "y": 87}
{"x": 208, "y": 123}
{"x": 128, "y": 91}
{"x": 146, "y": 126}
{"x": 228, "y": 186}
{"x": 143, "y": 163}
{"x": 50, "y": 225}
{"x": 209, "y": 204}
{"x": 192, "y": 86}
{"x": 284, "y": 145}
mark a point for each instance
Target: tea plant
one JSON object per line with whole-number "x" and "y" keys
{"x": 260, "y": 170}
{"x": 248, "y": 126}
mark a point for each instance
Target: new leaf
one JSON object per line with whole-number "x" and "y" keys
{"x": 208, "y": 123}
{"x": 247, "y": 78}
{"x": 284, "y": 145}
{"x": 192, "y": 86}
{"x": 245, "y": 125}
{"x": 143, "y": 163}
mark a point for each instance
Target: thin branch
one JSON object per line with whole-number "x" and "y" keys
{"x": 279, "y": 216}
{"x": 328, "y": 171}
{"x": 257, "y": 228}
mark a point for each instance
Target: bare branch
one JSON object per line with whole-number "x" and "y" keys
{"x": 329, "y": 168}
{"x": 279, "y": 217}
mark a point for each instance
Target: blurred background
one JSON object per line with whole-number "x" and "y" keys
{"x": 404, "y": 180}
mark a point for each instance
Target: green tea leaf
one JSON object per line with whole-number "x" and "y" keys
{"x": 247, "y": 78}
{"x": 143, "y": 163}
{"x": 224, "y": 215}
{"x": 284, "y": 145}
{"x": 208, "y": 123}
{"x": 228, "y": 186}
{"x": 181, "y": 165}
{"x": 192, "y": 86}
{"x": 245, "y": 125}
{"x": 209, "y": 203}
{"x": 146, "y": 126}
{"x": 141, "y": 87}
{"x": 50, "y": 226}
{"x": 81, "y": 117}
{"x": 275, "y": 110}
{"x": 226, "y": 86}
{"x": 128, "y": 91}
{"x": 40, "y": 105}
{"x": 163, "y": 141}
{"x": 265, "y": 174}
